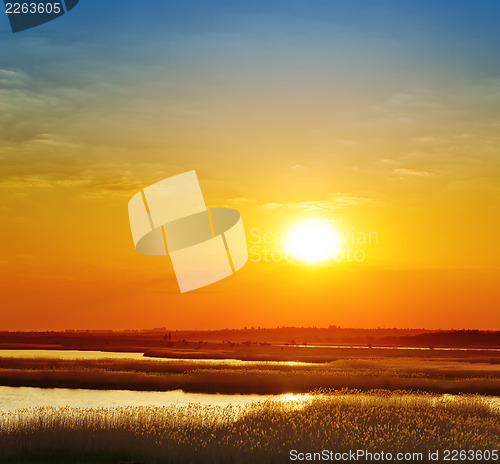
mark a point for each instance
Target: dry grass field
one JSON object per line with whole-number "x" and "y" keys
{"x": 265, "y": 432}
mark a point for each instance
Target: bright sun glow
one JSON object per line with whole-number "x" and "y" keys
{"x": 313, "y": 241}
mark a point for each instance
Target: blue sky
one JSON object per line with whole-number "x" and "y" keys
{"x": 220, "y": 68}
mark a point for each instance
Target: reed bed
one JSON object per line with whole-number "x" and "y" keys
{"x": 264, "y": 432}
{"x": 436, "y": 375}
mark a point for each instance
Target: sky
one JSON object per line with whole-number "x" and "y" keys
{"x": 379, "y": 117}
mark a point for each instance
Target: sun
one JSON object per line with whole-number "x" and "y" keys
{"x": 313, "y": 241}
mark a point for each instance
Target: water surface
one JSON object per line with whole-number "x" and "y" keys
{"x": 12, "y": 398}
{"x": 87, "y": 354}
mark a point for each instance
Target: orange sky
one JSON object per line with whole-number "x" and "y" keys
{"x": 368, "y": 127}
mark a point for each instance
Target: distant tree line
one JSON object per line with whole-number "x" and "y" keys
{"x": 451, "y": 338}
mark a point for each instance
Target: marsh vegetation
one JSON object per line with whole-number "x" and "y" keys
{"x": 366, "y": 371}
{"x": 265, "y": 432}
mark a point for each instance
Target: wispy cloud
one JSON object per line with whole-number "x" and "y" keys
{"x": 334, "y": 202}
{"x": 96, "y": 179}
{"x": 240, "y": 200}
{"x": 411, "y": 172}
